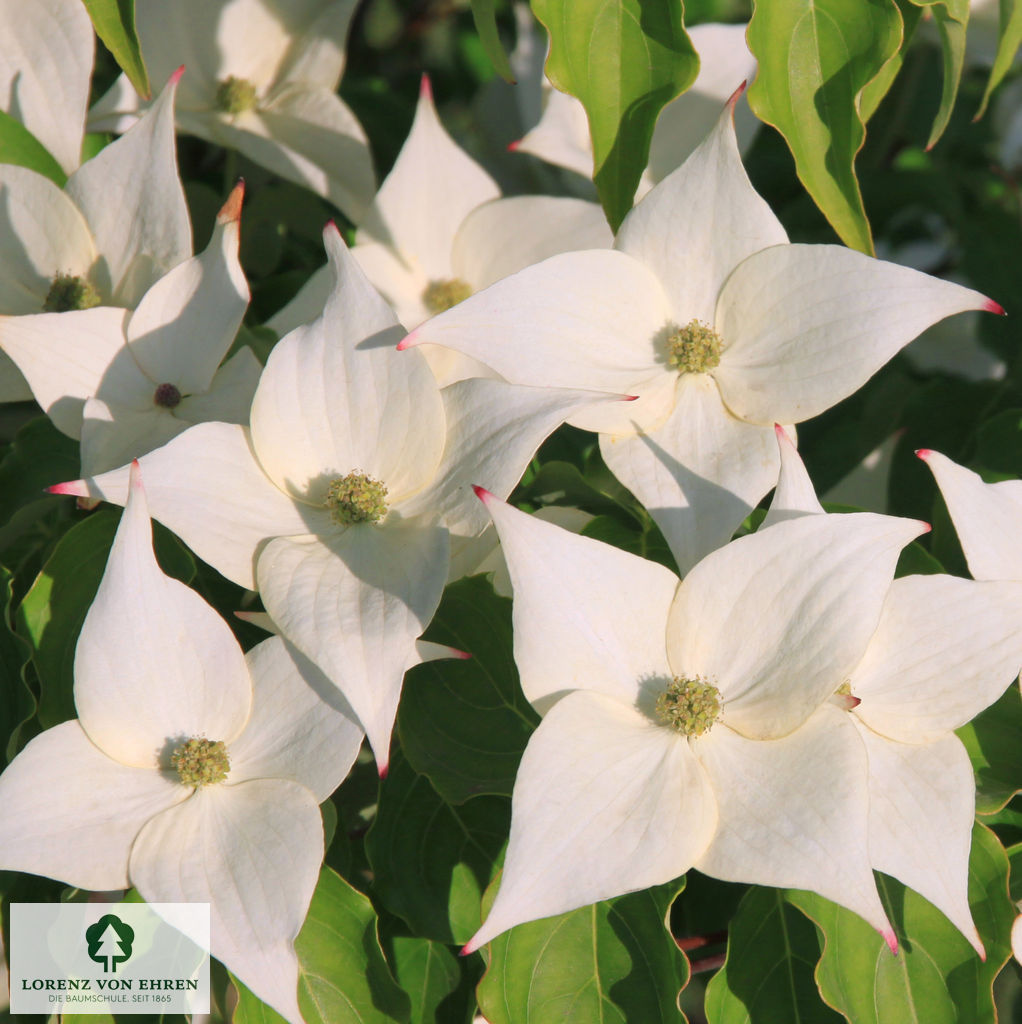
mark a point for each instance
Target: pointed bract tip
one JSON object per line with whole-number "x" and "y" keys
{"x": 135, "y": 476}
{"x": 425, "y": 88}
{"x": 68, "y": 487}
{"x": 382, "y": 771}
{"x": 891, "y": 939}
{"x": 926, "y": 527}
{"x": 482, "y": 494}
{"x": 176, "y": 76}
{"x": 994, "y": 307}
{"x": 924, "y": 453}
{"x": 736, "y": 95}
{"x": 461, "y": 655}
{"x": 467, "y": 949}
{"x": 512, "y": 147}
{"x": 629, "y": 398}
{"x": 331, "y": 225}
{"x": 408, "y": 341}
{"x": 231, "y": 210}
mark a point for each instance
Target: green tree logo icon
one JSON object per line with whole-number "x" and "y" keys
{"x": 109, "y": 942}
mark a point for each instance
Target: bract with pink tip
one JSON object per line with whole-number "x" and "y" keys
{"x": 188, "y": 759}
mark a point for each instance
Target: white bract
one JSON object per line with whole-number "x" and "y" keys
{"x": 119, "y": 224}
{"x": 45, "y": 68}
{"x": 944, "y": 649}
{"x": 340, "y": 501}
{"x": 562, "y": 135}
{"x": 126, "y": 382}
{"x": 262, "y": 79}
{"x": 437, "y": 231}
{"x": 194, "y": 772}
{"x": 718, "y": 326}
{"x": 689, "y": 724}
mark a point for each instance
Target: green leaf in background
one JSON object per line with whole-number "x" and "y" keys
{"x": 1015, "y": 862}
{"x": 772, "y": 951}
{"x": 815, "y": 59}
{"x": 114, "y": 22}
{"x": 432, "y": 861}
{"x": 19, "y": 146}
{"x": 484, "y": 14}
{"x": 878, "y": 88}
{"x": 430, "y": 974}
{"x": 624, "y": 59}
{"x": 937, "y": 977}
{"x": 343, "y": 977}
{"x": 465, "y": 723}
{"x": 17, "y": 705}
{"x": 1009, "y": 38}
{"x": 53, "y": 610}
{"x": 993, "y": 739}
{"x": 39, "y": 457}
{"x": 613, "y": 962}
{"x": 951, "y": 18}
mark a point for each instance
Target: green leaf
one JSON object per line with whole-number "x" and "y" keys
{"x": 343, "y": 977}
{"x": 465, "y": 723}
{"x": 114, "y": 22}
{"x": 878, "y": 88}
{"x": 484, "y": 14}
{"x": 429, "y": 973}
{"x": 53, "y": 610}
{"x": 936, "y": 976}
{"x": 39, "y": 457}
{"x": 810, "y": 86}
{"x": 432, "y": 861}
{"x": 1008, "y": 42}
{"x": 1015, "y": 862}
{"x": 17, "y": 704}
{"x": 772, "y": 951}
{"x": 612, "y": 962}
{"x": 993, "y": 739}
{"x": 624, "y": 59}
{"x": 951, "y": 18}
{"x": 19, "y": 146}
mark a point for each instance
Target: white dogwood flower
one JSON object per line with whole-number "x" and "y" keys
{"x": 438, "y": 231}
{"x": 262, "y": 79}
{"x": 718, "y": 326}
{"x": 119, "y": 224}
{"x": 126, "y": 382}
{"x": 339, "y": 504}
{"x": 194, "y": 772}
{"x": 689, "y": 724}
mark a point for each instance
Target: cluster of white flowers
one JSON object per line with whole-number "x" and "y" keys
{"x": 781, "y": 715}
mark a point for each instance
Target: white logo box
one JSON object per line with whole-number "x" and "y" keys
{"x": 109, "y": 958}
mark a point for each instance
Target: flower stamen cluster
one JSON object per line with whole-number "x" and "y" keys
{"x": 167, "y": 396}
{"x": 235, "y": 95}
{"x": 201, "y": 762}
{"x": 689, "y": 706}
{"x": 356, "y": 498}
{"x": 70, "y": 291}
{"x": 440, "y": 296}
{"x": 694, "y": 348}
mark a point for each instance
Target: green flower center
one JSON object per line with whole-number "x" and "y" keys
{"x": 235, "y": 95}
{"x": 694, "y": 348}
{"x": 689, "y": 706}
{"x": 441, "y": 295}
{"x": 167, "y": 396}
{"x": 201, "y": 762}
{"x": 69, "y": 291}
{"x": 356, "y": 498}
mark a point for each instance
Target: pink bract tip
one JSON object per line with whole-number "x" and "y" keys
{"x": 926, "y": 526}
{"x": 231, "y": 210}
{"x": 629, "y": 398}
{"x": 994, "y": 307}
{"x": 512, "y": 147}
{"x": 68, "y": 487}
{"x": 736, "y": 95}
{"x": 408, "y": 341}
{"x": 461, "y": 655}
{"x": 891, "y": 939}
{"x": 382, "y": 771}
{"x": 331, "y": 225}
{"x": 482, "y": 493}
{"x": 467, "y": 949}
{"x": 924, "y": 453}
{"x": 425, "y": 88}
{"x": 176, "y": 76}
